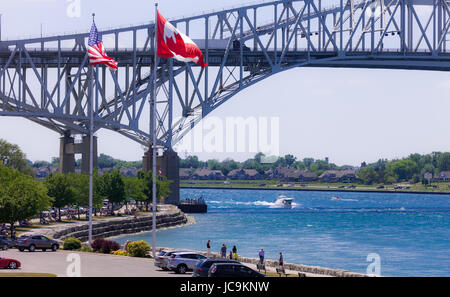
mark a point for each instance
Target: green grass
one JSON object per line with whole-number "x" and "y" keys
{"x": 26, "y": 274}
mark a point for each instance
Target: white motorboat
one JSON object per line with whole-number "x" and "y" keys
{"x": 284, "y": 202}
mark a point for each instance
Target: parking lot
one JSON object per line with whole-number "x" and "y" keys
{"x": 90, "y": 264}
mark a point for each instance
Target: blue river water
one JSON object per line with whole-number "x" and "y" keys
{"x": 409, "y": 232}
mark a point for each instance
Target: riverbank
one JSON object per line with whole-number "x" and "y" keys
{"x": 290, "y": 268}
{"x": 313, "y": 187}
{"x": 168, "y": 216}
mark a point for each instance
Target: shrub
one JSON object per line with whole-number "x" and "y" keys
{"x": 86, "y": 249}
{"x": 71, "y": 244}
{"x": 110, "y": 246}
{"x": 138, "y": 248}
{"x": 105, "y": 246}
{"x": 97, "y": 244}
{"x": 120, "y": 253}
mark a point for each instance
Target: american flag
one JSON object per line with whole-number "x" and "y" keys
{"x": 96, "y": 51}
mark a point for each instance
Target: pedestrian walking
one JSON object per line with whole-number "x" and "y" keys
{"x": 208, "y": 248}
{"x": 280, "y": 260}
{"x": 223, "y": 251}
{"x": 261, "y": 256}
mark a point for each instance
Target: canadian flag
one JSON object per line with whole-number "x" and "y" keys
{"x": 174, "y": 44}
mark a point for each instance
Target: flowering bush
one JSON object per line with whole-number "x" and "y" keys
{"x": 138, "y": 248}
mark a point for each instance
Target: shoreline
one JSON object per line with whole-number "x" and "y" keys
{"x": 169, "y": 217}
{"x": 318, "y": 190}
{"x": 291, "y": 268}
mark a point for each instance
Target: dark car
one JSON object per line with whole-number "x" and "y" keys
{"x": 202, "y": 268}
{"x": 6, "y": 242}
{"x": 3, "y": 244}
{"x": 34, "y": 242}
{"x": 232, "y": 270}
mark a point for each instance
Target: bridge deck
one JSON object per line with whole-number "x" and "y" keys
{"x": 394, "y": 59}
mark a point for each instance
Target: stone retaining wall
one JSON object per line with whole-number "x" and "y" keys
{"x": 169, "y": 216}
{"x": 294, "y": 267}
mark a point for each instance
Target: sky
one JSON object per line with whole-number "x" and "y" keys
{"x": 347, "y": 115}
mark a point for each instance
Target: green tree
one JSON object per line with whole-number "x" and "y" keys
{"x": 60, "y": 190}
{"x": 368, "y": 175}
{"x": 112, "y": 186}
{"x": 443, "y": 162}
{"x": 290, "y": 159}
{"x": 134, "y": 188}
{"x": 12, "y": 156}
{"x": 80, "y": 184}
{"x": 402, "y": 169}
{"x": 105, "y": 161}
{"x": 21, "y": 197}
{"x": 162, "y": 186}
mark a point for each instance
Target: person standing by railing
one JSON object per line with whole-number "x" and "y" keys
{"x": 261, "y": 256}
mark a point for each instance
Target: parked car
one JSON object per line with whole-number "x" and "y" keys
{"x": 184, "y": 261}
{"x": 3, "y": 244}
{"x": 162, "y": 259}
{"x": 9, "y": 263}
{"x": 34, "y": 242}
{"x": 202, "y": 268}
{"x": 232, "y": 270}
{"x": 7, "y": 242}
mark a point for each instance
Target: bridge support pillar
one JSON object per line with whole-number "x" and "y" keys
{"x": 68, "y": 149}
{"x": 66, "y": 154}
{"x": 84, "y": 149}
{"x": 169, "y": 164}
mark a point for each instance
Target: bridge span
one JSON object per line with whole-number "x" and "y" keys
{"x": 45, "y": 79}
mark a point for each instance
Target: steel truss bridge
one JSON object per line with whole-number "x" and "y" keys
{"x": 45, "y": 79}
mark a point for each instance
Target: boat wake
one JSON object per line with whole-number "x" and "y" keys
{"x": 223, "y": 204}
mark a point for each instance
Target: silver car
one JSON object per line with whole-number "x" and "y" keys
{"x": 162, "y": 259}
{"x": 184, "y": 261}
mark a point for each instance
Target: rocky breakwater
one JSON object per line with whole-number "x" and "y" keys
{"x": 291, "y": 267}
{"x": 168, "y": 216}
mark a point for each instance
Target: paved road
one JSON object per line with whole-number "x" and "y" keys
{"x": 91, "y": 265}
{"x": 94, "y": 265}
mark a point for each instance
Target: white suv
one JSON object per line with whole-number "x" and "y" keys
{"x": 162, "y": 259}
{"x": 184, "y": 261}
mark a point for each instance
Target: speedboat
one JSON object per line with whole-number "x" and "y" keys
{"x": 284, "y": 202}
{"x": 336, "y": 198}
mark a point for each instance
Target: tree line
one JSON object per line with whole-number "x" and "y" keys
{"x": 411, "y": 168}
{"x": 22, "y": 196}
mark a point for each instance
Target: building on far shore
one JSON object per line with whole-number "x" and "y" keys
{"x": 43, "y": 172}
{"x": 186, "y": 173}
{"x": 338, "y": 176}
{"x": 244, "y": 174}
{"x": 293, "y": 174}
{"x": 208, "y": 174}
{"x": 443, "y": 176}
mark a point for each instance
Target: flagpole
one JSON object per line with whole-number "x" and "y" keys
{"x": 91, "y": 146}
{"x": 153, "y": 124}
